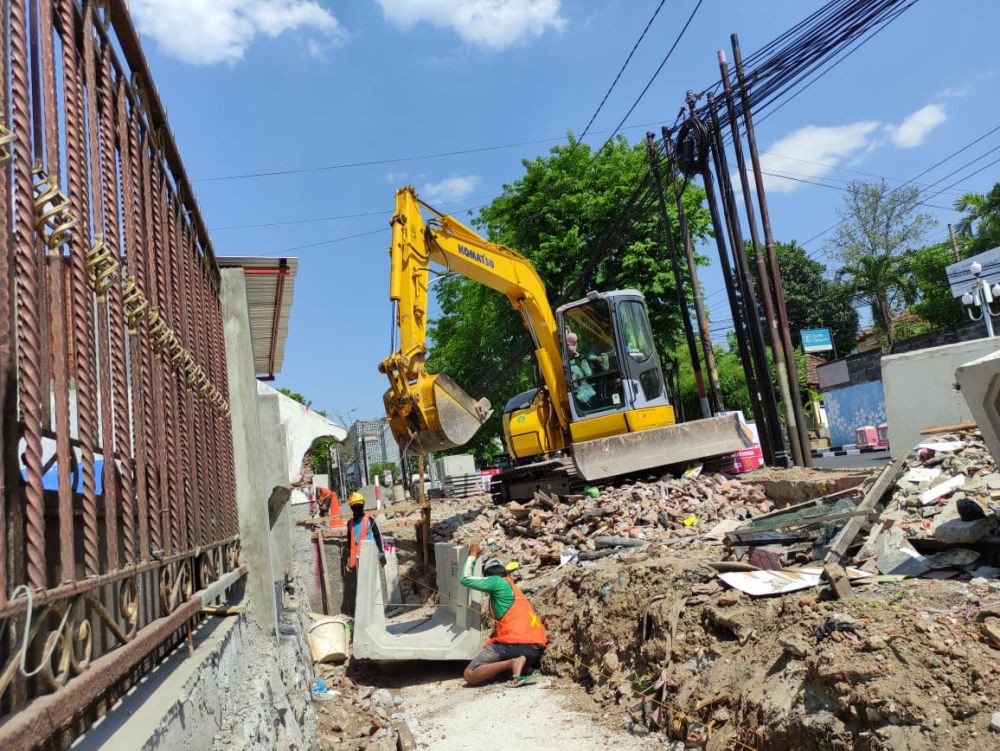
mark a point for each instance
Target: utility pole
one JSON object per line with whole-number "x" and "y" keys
{"x": 700, "y": 147}
{"x": 742, "y": 274}
{"x": 954, "y": 244}
{"x": 704, "y": 330}
{"x": 772, "y": 255}
{"x": 764, "y": 285}
{"x": 654, "y": 168}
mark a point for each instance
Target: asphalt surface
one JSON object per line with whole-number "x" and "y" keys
{"x": 851, "y": 461}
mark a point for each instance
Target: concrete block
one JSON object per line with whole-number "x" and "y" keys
{"x": 451, "y": 633}
{"x": 920, "y": 389}
{"x": 979, "y": 381}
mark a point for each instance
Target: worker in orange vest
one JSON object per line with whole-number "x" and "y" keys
{"x": 360, "y": 527}
{"x": 518, "y": 634}
{"x": 329, "y": 505}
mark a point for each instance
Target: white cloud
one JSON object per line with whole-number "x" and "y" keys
{"x": 495, "y": 24}
{"x": 396, "y": 178}
{"x": 453, "y": 188}
{"x": 917, "y": 126}
{"x": 204, "y": 32}
{"x": 814, "y": 151}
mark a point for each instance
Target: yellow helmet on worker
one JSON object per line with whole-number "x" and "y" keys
{"x": 356, "y": 499}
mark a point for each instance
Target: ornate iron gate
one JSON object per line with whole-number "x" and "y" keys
{"x": 118, "y": 489}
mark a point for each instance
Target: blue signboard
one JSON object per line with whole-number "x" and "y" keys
{"x": 816, "y": 340}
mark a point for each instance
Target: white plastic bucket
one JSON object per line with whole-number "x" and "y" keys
{"x": 329, "y": 637}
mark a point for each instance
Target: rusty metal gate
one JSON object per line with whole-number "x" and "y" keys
{"x": 118, "y": 515}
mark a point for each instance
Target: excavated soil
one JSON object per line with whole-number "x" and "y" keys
{"x": 730, "y": 671}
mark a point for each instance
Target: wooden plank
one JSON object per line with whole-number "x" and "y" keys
{"x": 949, "y": 428}
{"x": 323, "y": 588}
{"x": 338, "y": 532}
{"x": 844, "y": 539}
{"x": 401, "y": 508}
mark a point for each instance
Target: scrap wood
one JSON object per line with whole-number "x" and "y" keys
{"x": 971, "y": 425}
{"x": 845, "y": 538}
{"x": 338, "y": 532}
{"x": 223, "y": 609}
{"x": 399, "y": 508}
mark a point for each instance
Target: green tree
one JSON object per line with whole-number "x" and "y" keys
{"x": 878, "y": 220}
{"x": 935, "y": 304}
{"x": 377, "y": 468}
{"x": 553, "y": 214}
{"x": 812, "y": 299}
{"x": 884, "y": 282}
{"x": 980, "y": 227}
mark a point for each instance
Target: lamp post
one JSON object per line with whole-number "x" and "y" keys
{"x": 982, "y": 301}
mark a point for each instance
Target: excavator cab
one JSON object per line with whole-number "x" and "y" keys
{"x": 612, "y": 368}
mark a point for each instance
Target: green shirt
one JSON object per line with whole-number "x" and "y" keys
{"x": 500, "y": 593}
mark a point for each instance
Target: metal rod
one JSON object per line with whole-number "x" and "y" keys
{"x": 654, "y": 166}
{"x": 764, "y": 285}
{"x": 750, "y": 319}
{"x": 774, "y": 267}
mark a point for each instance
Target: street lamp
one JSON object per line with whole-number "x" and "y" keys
{"x": 982, "y": 300}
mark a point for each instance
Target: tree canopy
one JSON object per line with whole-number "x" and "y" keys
{"x": 879, "y": 220}
{"x": 553, "y": 214}
{"x": 980, "y": 227}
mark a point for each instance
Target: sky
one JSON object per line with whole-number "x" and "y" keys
{"x": 282, "y": 86}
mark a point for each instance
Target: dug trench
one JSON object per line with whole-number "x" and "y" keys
{"x": 648, "y": 649}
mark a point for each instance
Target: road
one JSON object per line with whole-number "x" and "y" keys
{"x": 851, "y": 461}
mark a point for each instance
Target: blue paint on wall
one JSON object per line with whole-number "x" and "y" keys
{"x": 849, "y": 408}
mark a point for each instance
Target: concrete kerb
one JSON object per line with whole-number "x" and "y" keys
{"x": 451, "y": 633}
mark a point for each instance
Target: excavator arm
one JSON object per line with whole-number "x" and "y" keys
{"x": 430, "y": 412}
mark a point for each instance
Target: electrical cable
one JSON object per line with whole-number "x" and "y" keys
{"x": 622, "y": 69}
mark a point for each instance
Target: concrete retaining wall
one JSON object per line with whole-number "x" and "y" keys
{"x": 920, "y": 389}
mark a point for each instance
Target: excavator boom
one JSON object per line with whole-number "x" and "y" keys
{"x": 430, "y": 412}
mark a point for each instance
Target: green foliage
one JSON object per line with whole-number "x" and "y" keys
{"x": 553, "y": 214}
{"x": 882, "y": 281}
{"x": 377, "y": 468}
{"x": 980, "y": 227}
{"x": 811, "y": 299}
{"x": 936, "y": 304}
{"x": 879, "y": 220}
{"x": 296, "y": 396}
{"x": 321, "y": 449}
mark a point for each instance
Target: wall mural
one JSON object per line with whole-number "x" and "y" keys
{"x": 849, "y": 408}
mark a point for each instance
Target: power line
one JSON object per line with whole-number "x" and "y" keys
{"x": 396, "y": 160}
{"x": 622, "y": 69}
{"x": 653, "y": 77}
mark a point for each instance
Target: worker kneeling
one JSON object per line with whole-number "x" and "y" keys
{"x": 518, "y": 633}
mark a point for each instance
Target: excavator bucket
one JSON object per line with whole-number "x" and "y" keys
{"x": 446, "y": 417}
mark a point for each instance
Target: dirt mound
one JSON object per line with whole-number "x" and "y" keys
{"x": 901, "y": 666}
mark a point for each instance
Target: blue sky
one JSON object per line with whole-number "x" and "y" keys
{"x": 270, "y": 85}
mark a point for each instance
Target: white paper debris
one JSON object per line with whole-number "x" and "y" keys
{"x": 947, "y": 446}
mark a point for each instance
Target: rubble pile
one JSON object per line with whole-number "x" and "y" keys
{"x": 351, "y": 716}
{"x": 547, "y": 529}
{"x": 941, "y": 519}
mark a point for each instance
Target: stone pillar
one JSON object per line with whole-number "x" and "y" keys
{"x": 251, "y": 494}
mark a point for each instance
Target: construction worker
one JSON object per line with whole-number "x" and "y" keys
{"x": 518, "y": 634}
{"x": 360, "y": 527}
{"x": 329, "y": 505}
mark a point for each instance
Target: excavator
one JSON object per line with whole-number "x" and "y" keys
{"x": 601, "y": 409}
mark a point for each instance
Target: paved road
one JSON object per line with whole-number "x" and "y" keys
{"x": 874, "y": 459}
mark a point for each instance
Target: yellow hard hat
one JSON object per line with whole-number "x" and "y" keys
{"x": 356, "y": 498}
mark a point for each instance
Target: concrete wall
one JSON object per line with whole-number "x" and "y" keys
{"x": 920, "y": 389}
{"x": 302, "y": 427}
{"x": 851, "y": 407}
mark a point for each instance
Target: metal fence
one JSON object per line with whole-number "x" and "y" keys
{"x": 118, "y": 506}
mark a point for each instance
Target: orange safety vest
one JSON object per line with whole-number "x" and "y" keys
{"x": 355, "y": 543}
{"x": 520, "y": 624}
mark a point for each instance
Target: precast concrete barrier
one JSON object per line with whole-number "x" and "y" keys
{"x": 451, "y": 633}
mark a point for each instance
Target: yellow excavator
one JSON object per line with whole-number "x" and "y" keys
{"x": 601, "y": 408}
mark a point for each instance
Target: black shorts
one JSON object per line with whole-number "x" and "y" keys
{"x": 497, "y": 652}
